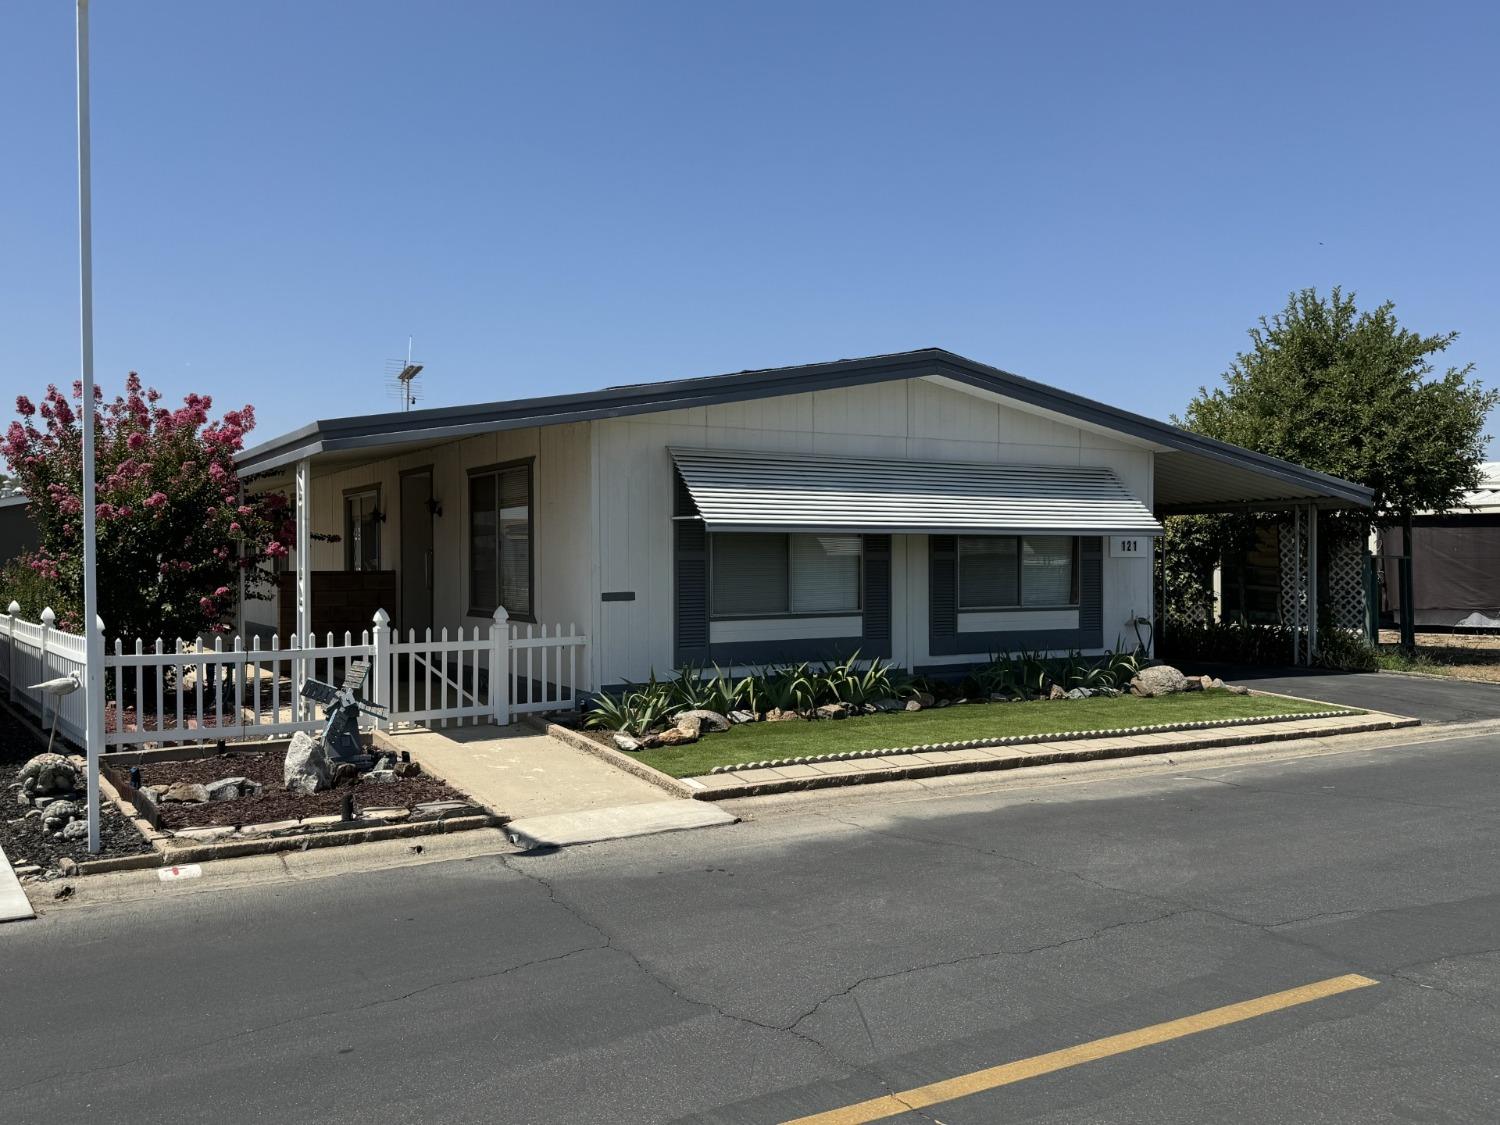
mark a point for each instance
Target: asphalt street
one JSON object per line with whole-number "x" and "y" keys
{"x": 826, "y": 952}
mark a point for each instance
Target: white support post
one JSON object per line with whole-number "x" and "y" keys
{"x": 239, "y": 602}
{"x": 500, "y": 666}
{"x": 1312, "y": 583}
{"x": 10, "y": 672}
{"x": 304, "y": 581}
{"x": 380, "y": 656}
{"x": 48, "y": 617}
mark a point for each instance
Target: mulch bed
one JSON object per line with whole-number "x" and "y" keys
{"x": 275, "y": 802}
{"x": 24, "y": 839}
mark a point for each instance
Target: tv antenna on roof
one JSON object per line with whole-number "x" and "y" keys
{"x": 401, "y": 379}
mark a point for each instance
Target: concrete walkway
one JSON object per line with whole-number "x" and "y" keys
{"x": 14, "y": 905}
{"x": 519, "y": 773}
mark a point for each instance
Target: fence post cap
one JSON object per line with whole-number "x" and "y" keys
{"x": 13, "y": 608}
{"x": 48, "y": 617}
{"x": 99, "y": 624}
{"x": 382, "y": 618}
{"x": 500, "y": 615}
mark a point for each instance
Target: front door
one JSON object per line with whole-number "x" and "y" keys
{"x": 416, "y": 550}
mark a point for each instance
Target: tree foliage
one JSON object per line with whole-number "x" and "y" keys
{"x": 173, "y": 534}
{"x": 1353, "y": 394}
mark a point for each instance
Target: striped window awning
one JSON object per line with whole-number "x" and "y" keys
{"x": 735, "y": 490}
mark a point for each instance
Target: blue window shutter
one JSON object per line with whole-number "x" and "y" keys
{"x": 942, "y": 593}
{"x": 1090, "y": 592}
{"x": 877, "y": 596}
{"x": 690, "y": 588}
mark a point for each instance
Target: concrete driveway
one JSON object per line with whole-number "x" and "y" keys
{"x": 1429, "y": 698}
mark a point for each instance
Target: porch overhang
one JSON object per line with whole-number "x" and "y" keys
{"x": 736, "y": 490}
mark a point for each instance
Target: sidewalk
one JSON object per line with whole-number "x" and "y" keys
{"x": 519, "y": 773}
{"x": 934, "y": 761}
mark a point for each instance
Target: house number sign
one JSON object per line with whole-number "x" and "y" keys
{"x": 1129, "y": 547}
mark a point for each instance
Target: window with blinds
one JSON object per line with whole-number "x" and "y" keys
{"x": 1008, "y": 572}
{"x": 362, "y": 529}
{"x": 768, "y": 574}
{"x": 500, "y": 539}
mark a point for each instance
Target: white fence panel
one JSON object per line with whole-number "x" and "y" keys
{"x": 544, "y": 668}
{"x": 197, "y": 690}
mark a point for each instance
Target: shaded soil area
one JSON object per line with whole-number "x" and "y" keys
{"x": 1469, "y": 656}
{"x": 275, "y": 802}
{"x": 24, "y": 839}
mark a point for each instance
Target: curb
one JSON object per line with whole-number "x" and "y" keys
{"x": 1023, "y": 761}
{"x": 616, "y": 758}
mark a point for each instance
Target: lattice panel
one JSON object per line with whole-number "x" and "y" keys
{"x": 1346, "y": 584}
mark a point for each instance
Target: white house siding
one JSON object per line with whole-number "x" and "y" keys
{"x": 912, "y": 419}
{"x": 563, "y": 552}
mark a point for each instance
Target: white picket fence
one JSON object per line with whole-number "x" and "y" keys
{"x": 195, "y": 691}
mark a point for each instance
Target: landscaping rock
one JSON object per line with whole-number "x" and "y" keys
{"x": 777, "y": 715}
{"x": 924, "y": 698}
{"x": 1056, "y": 692}
{"x": 226, "y": 788}
{"x": 710, "y": 720}
{"x": 67, "y": 865}
{"x": 738, "y": 717}
{"x": 188, "y": 793}
{"x": 1080, "y": 693}
{"x": 408, "y": 769}
{"x": 381, "y": 777}
{"x": 344, "y": 773}
{"x": 625, "y": 742}
{"x": 913, "y": 705}
{"x": 306, "y": 769}
{"x": 886, "y": 704}
{"x": 690, "y": 725}
{"x": 49, "y": 773}
{"x": 1162, "y": 679}
{"x": 675, "y": 736}
{"x": 832, "y": 711}
{"x": 1237, "y": 689}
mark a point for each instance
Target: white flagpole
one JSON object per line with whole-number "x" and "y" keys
{"x": 93, "y": 639}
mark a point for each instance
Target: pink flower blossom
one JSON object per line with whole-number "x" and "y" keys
{"x": 156, "y": 500}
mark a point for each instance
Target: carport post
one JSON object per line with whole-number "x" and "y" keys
{"x": 1408, "y": 590}
{"x": 1312, "y": 583}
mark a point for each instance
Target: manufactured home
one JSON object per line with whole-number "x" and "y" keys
{"x": 920, "y": 507}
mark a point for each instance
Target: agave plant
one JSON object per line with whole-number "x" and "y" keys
{"x": 635, "y": 710}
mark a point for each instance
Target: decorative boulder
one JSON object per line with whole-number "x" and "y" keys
{"x": 1080, "y": 693}
{"x": 1056, "y": 692}
{"x": 739, "y": 717}
{"x": 886, "y": 704}
{"x": 777, "y": 715}
{"x": 187, "y": 793}
{"x": 306, "y": 769}
{"x": 832, "y": 711}
{"x": 711, "y": 720}
{"x": 1160, "y": 679}
{"x": 408, "y": 769}
{"x": 1237, "y": 689}
{"x": 625, "y": 742}
{"x": 381, "y": 777}
{"x": 926, "y": 699}
{"x": 226, "y": 788}
{"x": 49, "y": 773}
{"x": 913, "y": 705}
{"x": 675, "y": 736}
{"x": 690, "y": 725}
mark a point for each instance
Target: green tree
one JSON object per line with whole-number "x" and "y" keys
{"x": 1353, "y": 394}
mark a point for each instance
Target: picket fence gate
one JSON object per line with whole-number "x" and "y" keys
{"x": 193, "y": 691}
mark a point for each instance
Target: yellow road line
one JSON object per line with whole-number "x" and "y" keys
{"x": 889, "y": 1105}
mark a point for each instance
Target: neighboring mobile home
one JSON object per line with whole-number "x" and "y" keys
{"x": 920, "y": 507}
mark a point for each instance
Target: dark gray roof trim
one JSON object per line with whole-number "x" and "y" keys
{"x": 445, "y": 423}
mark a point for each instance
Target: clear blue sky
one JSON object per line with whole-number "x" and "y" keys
{"x": 554, "y": 196}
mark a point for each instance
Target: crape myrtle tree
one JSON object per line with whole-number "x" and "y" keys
{"x": 1349, "y": 393}
{"x": 174, "y": 535}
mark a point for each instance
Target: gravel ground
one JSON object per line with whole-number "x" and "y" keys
{"x": 23, "y": 838}
{"x": 275, "y": 802}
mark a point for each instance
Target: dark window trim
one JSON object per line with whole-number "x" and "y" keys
{"x": 496, "y": 468}
{"x": 360, "y": 490}
{"x": 958, "y": 562}
{"x": 790, "y": 615}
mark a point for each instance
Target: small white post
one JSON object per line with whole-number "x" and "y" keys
{"x": 300, "y": 669}
{"x": 500, "y": 666}
{"x": 10, "y": 672}
{"x": 382, "y": 671}
{"x": 48, "y": 617}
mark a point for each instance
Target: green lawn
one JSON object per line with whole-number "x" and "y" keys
{"x": 759, "y": 742}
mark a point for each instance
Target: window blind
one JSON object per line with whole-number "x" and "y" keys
{"x": 988, "y": 577}
{"x": 749, "y": 575}
{"x": 1047, "y": 570}
{"x": 825, "y": 573}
